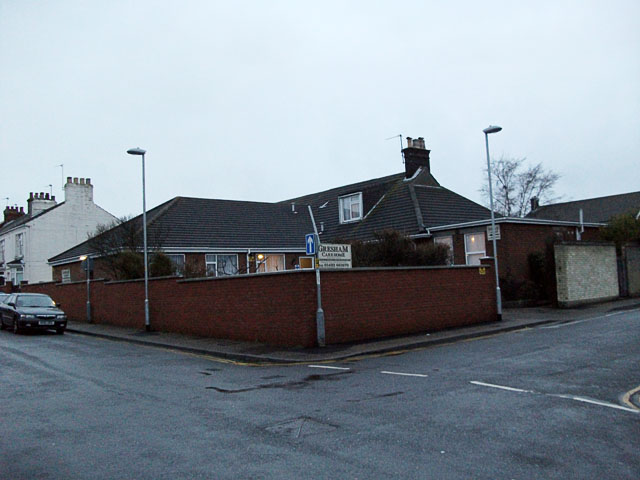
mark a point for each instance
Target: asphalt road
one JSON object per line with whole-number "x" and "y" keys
{"x": 544, "y": 403}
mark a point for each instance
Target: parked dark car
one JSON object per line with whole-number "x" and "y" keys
{"x": 31, "y": 311}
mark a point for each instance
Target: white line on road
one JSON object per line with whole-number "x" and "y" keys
{"x": 570, "y": 397}
{"x": 597, "y": 402}
{"x": 581, "y": 320}
{"x": 405, "y": 374}
{"x": 328, "y": 367}
{"x": 501, "y": 387}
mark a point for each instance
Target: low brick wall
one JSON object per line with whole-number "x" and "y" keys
{"x": 280, "y": 308}
{"x": 585, "y": 273}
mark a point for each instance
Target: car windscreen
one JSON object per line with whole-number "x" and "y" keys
{"x": 35, "y": 301}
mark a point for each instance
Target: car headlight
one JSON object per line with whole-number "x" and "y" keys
{"x": 61, "y": 317}
{"x": 27, "y": 317}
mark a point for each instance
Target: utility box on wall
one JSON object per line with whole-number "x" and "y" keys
{"x": 585, "y": 273}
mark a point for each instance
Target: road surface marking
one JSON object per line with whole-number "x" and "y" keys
{"x": 626, "y": 399}
{"x": 581, "y": 320}
{"x": 570, "y": 397}
{"x": 501, "y": 387}
{"x": 405, "y": 374}
{"x": 597, "y": 402}
{"x": 329, "y": 368}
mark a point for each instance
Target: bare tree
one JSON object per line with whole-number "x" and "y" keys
{"x": 119, "y": 245}
{"x": 515, "y": 184}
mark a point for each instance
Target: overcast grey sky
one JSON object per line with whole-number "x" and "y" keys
{"x": 270, "y": 100}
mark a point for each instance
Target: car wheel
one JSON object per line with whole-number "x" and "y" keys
{"x": 60, "y": 331}
{"x": 16, "y": 328}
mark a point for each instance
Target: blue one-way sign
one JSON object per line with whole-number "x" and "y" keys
{"x": 310, "y": 243}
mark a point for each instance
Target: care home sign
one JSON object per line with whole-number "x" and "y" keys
{"x": 334, "y": 255}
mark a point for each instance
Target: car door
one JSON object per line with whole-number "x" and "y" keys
{"x": 4, "y": 307}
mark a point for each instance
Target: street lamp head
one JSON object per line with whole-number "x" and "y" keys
{"x": 492, "y": 129}
{"x": 83, "y": 257}
{"x": 136, "y": 151}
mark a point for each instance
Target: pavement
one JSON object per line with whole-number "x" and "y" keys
{"x": 252, "y": 353}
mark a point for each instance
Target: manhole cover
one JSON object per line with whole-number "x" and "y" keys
{"x": 300, "y": 427}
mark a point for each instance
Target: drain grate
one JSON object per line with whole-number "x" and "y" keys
{"x": 300, "y": 427}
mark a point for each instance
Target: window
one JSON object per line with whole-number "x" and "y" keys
{"x": 448, "y": 241}
{"x": 66, "y": 275}
{"x": 350, "y": 208}
{"x": 219, "y": 265}
{"x": 271, "y": 263}
{"x": 1, "y": 252}
{"x": 19, "y": 245}
{"x": 474, "y": 246}
{"x": 178, "y": 263}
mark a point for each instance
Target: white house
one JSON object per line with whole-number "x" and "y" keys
{"x": 28, "y": 239}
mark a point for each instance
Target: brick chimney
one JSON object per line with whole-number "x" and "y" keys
{"x": 535, "y": 203}
{"x": 415, "y": 156}
{"x": 11, "y": 213}
{"x": 39, "y": 202}
{"x": 78, "y": 190}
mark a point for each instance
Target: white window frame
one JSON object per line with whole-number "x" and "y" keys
{"x": 448, "y": 241}
{"x": 474, "y": 253}
{"x": 313, "y": 263}
{"x": 208, "y": 261}
{"x": 65, "y": 275}
{"x": 350, "y": 200}
{"x": 263, "y": 263}
{"x": 177, "y": 269}
{"x": 20, "y": 245}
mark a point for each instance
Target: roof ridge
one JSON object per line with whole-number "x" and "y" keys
{"x": 588, "y": 199}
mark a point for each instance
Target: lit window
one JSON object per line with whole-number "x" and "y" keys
{"x": 474, "y": 246}
{"x": 350, "y": 208}
{"x": 270, "y": 263}
{"x": 221, "y": 265}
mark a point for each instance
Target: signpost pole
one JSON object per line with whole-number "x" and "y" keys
{"x": 320, "y": 333}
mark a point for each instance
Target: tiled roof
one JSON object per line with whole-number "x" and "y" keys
{"x": 441, "y": 206}
{"x": 389, "y": 204}
{"x": 595, "y": 210}
{"x": 189, "y": 224}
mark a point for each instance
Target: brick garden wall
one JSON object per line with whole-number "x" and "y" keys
{"x": 585, "y": 273}
{"x": 280, "y": 308}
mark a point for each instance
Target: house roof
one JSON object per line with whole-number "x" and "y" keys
{"x": 393, "y": 202}
{"x": 595, "y": 210}
{"x": 198, "y": 224}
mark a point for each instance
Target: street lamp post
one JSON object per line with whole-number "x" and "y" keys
{"x": 147, "y": 325}
{"x": 87, "y": 266}
{"x": 487, "y": 131}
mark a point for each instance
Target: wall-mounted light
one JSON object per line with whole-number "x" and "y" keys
{"x": 260, "y": 256}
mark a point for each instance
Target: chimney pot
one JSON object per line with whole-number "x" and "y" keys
{"x": 46, "y": 196}
{"x": 53, "y": 197}
{"x": 75, "y": 180}
{"x": 88, "y": 181}
{"x": 82, "y": 181}
{"x": 30, "y": 195}
{"x": 416, "y": 156}
{"x": 68, "y": 179}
